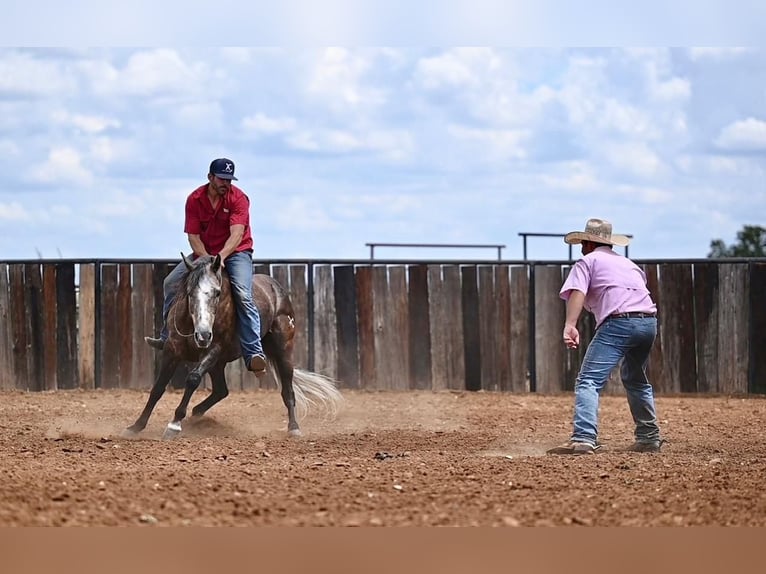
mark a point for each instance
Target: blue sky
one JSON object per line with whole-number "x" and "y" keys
{"x": 382, "y": 138}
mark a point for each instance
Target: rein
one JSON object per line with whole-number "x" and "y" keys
{"x": 175, "y": 326}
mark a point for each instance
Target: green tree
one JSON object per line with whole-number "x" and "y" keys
{"x": 751, "y": 242}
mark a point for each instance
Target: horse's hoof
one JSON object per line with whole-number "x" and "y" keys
{"x": 171, "y": 431}
{"x": 295, "y": 432}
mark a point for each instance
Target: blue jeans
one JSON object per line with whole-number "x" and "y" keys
{"x": 239, "y": 266}
{"x": 630, "y": 339}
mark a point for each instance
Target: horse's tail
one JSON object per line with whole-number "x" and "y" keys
{"x": 315, "y": 390}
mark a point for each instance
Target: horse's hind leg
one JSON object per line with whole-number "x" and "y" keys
{"x": 285, "y": 371}
{"x": 219, "y": 392}
{"x": 167, "y": 368}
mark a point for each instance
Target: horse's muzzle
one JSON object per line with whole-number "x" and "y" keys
{"x": 203, "y": 338}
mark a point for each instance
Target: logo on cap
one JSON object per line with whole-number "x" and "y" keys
{"x": 223, "y": 168}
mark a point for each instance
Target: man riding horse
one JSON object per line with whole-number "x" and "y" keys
{"x": 218, "y": 223}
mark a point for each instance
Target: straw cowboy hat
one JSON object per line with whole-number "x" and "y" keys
{"x": 598, "y": 231}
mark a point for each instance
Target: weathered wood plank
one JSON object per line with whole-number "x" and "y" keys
{"x": 366, "y": 323}
{"x": 159, "y": 272}
{"x": 418, "y": 328}
{"x": 677, "y": 320}
{"x": 109, "y": 335}
{"x": 49, "y": 333}
{"x": 706, "y": 325}
{"x": 487, "y": 328}
{"x": 550, "y": 312}
{"x": 281, "y": 274}
{"x": 500, "y": 333}
{"x": 298, "y": 290}
{"x": 438, "y": 324}
{"x": 471, "y": 327}
{"x": 655, "y": 370}
{"x": 453, "y": 326}
{"x": 384, "y": 349}
{"x": 142, "y": 325}
{"x": 519, "y": 330}
{"x": 398, "y": 331}
{"x": 19, "y": 326}
{"x": 86, "y": 331}
{"x": 6, "y": 335}
{"x": 733, "y": 345}
{"x": 325, "y": 336}
{"x": 34, "y": 303}
{"x": 67, "y": 351}
{"x": 757, "y": 304}
{"x": 125, "y": 327}
{"x": 348, "y": 337}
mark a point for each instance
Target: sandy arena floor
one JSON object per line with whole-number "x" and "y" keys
{"x": 390, "y": 459}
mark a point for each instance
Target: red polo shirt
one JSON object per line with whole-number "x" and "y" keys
{"x": 213, "y": 225}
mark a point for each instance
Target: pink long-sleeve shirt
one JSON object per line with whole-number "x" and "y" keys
{"x": 611, "y": 283}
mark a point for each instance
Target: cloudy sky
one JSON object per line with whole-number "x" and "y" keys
{"x": 341, "y": 146}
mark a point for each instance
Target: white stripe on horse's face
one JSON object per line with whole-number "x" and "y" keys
{"x": 203, "y": 304}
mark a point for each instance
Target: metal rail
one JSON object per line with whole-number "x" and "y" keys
{"x": 525, "y": 234}
{"x": 499, "y": 248}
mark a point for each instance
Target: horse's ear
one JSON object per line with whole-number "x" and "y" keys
{"x": 216, "y": 263}
{"x": 188, "y": 263}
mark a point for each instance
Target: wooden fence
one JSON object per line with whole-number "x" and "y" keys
{"x": 388, "y": 325}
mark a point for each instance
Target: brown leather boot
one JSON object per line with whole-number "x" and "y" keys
{"x": 257, "y": 365}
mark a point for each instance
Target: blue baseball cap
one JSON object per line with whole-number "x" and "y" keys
{"x": 223, "y": 168}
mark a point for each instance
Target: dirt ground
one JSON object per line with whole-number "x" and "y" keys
{"x": 387, "y": 459}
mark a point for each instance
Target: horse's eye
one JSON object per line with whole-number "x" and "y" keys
{"x": 216, "y": 292}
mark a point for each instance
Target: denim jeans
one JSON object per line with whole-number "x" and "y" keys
{"x": 630, "y": 339}
{"x": 239, "y": 266}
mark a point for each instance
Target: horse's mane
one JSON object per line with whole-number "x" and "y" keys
{"x": 193, "y": 277}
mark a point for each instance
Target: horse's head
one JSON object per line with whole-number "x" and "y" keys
{"x": 203, "y": 288}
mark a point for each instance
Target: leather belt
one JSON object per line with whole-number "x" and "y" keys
{"x": 632, "y": 315}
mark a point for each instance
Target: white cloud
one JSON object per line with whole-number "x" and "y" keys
{"x": 574, "y": 176}
{"x": 105, "y": 150}
{"x": 634, "y": 158}
{"x": 391, "y": 144}
{"x": 743, "y": 135}
{"x": 14, "y": 211}
{"x": 671, "y": 89}
{"x": 22, "y": 74}
{"x": 120, "y": 204}
{"x": 92, "y": 124}
{"x": 493, "y": 144}
{"x": 302, "y": 214}
{"x": 651, "y": 195}
{"x": 338, "y": 78}
{"x": 262, "y": 124}
{"x": 153, "y": 73}
{"x": 459, "y": 67}
{"x": 63, "y": 165}
{"x": 198, "y": 115}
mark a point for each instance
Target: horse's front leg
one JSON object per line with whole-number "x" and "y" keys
{"x": 167, "y": 368}
{"x": 219, "y": 392}
{"x": 192, "y": 382}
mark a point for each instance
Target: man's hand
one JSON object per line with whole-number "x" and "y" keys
{"x": 571, "y": 336}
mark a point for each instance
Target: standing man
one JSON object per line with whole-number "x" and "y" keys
{"x": 218, "y": 223}
{"x": 613, "y": 288}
